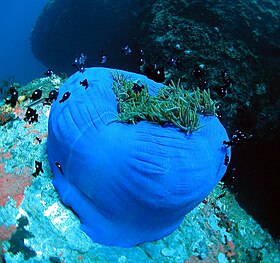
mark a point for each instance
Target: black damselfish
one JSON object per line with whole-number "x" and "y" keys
{"x": 36, "y": 95}
{"x": 84, "y": 83}
{"x": 59, "y": 167}
{"x": 31, "y": 115}
{"x": 65, "y": 96}
{"x": 14, "y": 97}
{"x": 155, "y": 73}
{"x": 38, "y": 166}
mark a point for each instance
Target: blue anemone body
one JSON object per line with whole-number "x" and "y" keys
{"x": 128, "y": 183}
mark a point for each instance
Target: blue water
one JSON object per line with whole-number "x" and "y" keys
{"x": 17, "y": 18}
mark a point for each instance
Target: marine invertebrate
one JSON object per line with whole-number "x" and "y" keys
{"x": 113, "y": 173}
{"x": 172, "y": 104}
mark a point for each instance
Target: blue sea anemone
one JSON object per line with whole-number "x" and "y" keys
{"x": 128, "y": 183}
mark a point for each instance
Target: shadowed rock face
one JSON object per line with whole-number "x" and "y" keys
{"x": 241, "y": 36}
{"x": 67, "y": 28}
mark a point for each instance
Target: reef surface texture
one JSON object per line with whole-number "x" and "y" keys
{"x": 36, "y": 227}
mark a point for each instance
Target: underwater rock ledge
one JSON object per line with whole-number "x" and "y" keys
{"x": 217, "y": 230}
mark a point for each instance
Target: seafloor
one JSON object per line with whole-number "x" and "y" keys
{"x": 36, "y": 227}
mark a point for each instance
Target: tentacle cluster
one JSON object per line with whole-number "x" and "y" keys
{"x": 172, "y": 104}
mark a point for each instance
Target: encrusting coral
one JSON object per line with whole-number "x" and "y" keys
{"x": 172, "y": 104}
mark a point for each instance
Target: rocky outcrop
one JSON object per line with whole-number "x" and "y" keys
{"x": 66, "y": 28}
{"x": 239, "y": 36}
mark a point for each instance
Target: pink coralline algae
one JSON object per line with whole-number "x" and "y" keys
{"x": 5, "y": 117}
{"x": 13, "y": 184}
{"x": 5, "y": 234}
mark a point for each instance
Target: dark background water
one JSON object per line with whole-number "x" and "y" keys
{"x": 256, "y": 185}
{"x": 17, "y": 18}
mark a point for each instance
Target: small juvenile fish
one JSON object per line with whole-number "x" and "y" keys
{"x": 226, "y": 161}
{"x": 126, "y": 50}
{"x": 36, "y": 95}
{"x": 79, "y": 63}
{"x": 199, "y": 72}
{"x": 102, "y": 57}
{"x": 155, "y": 73}
{"x": 84, "y": 83}
{"x": 59, "y": 167}
{"x": 38, "y": 167}
{"x": 31, "y": 115}
{"x": 222, "y": 91}
{"x": 14, "y": 97}
{"x": 53, "y": 95}
{"x": 137, "y": 88}
{"x": 141, "y": 62}
{"x": 174, "y": 62}
{"x": 48, "y": 73}
{"x": 65, "y": 96}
